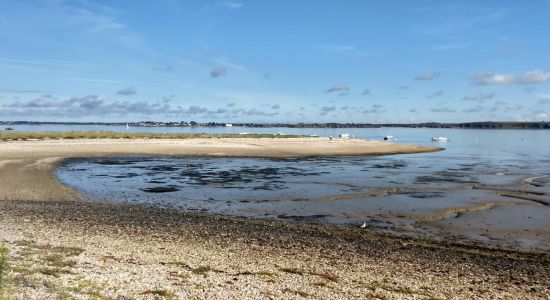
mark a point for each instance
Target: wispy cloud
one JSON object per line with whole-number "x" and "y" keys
{"x": 127, "y": 91}
{"x": 480, "y": 97}
{"x": 340, "y": 88}
{"x": 327, "y": 109}
{"x": 92, "y": 80}
{"x": 534, "y": 77}
{"x": 427, "y": 76}
{"x": 436, "y": 94}
{"x": 221, "y": 5}
{"x": 476, "y": 109}
{"x": 443, "y": 110}
{"x": 226, "y": 63}
{"x": 16, "y": 91}
{"x": 544, "y": 99}
{"x": 366, "y": 92}
{"x": 449, "y": 19}
{"x": 374, "y": 109}
{"x": 343, "y": 49}
{"x": 232, "y": 4}
{"x": 218, "y": 71}
{"x": 452, "y": 46}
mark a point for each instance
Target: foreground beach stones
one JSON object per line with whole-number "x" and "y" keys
{"x": 84, "y": 250}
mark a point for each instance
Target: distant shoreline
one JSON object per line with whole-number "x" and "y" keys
{"x": 466, "y": 125}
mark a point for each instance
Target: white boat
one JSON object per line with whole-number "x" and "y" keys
{"x": 388, "y": 137}
{"x": 344, "y": 135}
{"x": 441, "y": 139}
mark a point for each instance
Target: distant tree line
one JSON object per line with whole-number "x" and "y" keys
{"x": 468, "y": 125}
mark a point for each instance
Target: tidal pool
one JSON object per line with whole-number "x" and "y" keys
{"x": 430, "y": 195}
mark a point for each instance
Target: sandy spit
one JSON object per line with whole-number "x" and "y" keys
{"x": 26, "y": 166}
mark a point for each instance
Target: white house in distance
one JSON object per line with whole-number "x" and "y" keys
{"x": 228, "y": 125}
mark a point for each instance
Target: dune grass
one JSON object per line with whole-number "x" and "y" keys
{"x": 64, "y": 135}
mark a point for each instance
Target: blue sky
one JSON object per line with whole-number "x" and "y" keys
{"x": 275, "y": 61}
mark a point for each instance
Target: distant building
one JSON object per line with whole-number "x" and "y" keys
{"x": 228, "y": 125}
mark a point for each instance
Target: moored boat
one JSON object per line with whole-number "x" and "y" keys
{"x": 344, "y": 135}
{"x": 440, "y": 139}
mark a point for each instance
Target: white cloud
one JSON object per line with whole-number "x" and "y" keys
{"x": 531, "y": 77}
{"x": 488, "y": 78}
{"x": 534, "y": 77}
{"x": 97, "y": 106}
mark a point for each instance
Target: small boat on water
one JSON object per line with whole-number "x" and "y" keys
{"x": 388, "y": 137}
{"x": 8, "y": 128}
{"x": 440, "y": 139}
{"x": 344, "y": 135}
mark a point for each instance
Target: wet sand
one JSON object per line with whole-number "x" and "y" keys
{"x": 62, "y": 246}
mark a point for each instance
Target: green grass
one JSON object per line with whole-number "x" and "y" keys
{"x": 3, "y": 263}
{"x": 37, "y": 135}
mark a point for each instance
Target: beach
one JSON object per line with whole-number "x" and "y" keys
{"x": 62, "y": 245}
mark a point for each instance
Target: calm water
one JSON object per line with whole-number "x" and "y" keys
{"x": 489, "y": 186}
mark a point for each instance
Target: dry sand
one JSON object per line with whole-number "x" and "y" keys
{"x": 63, "y": 249}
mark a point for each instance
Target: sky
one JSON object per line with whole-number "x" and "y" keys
{"x": 275, "y": 61}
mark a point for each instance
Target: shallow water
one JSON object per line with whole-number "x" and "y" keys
{"x": 490, "y": 186}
